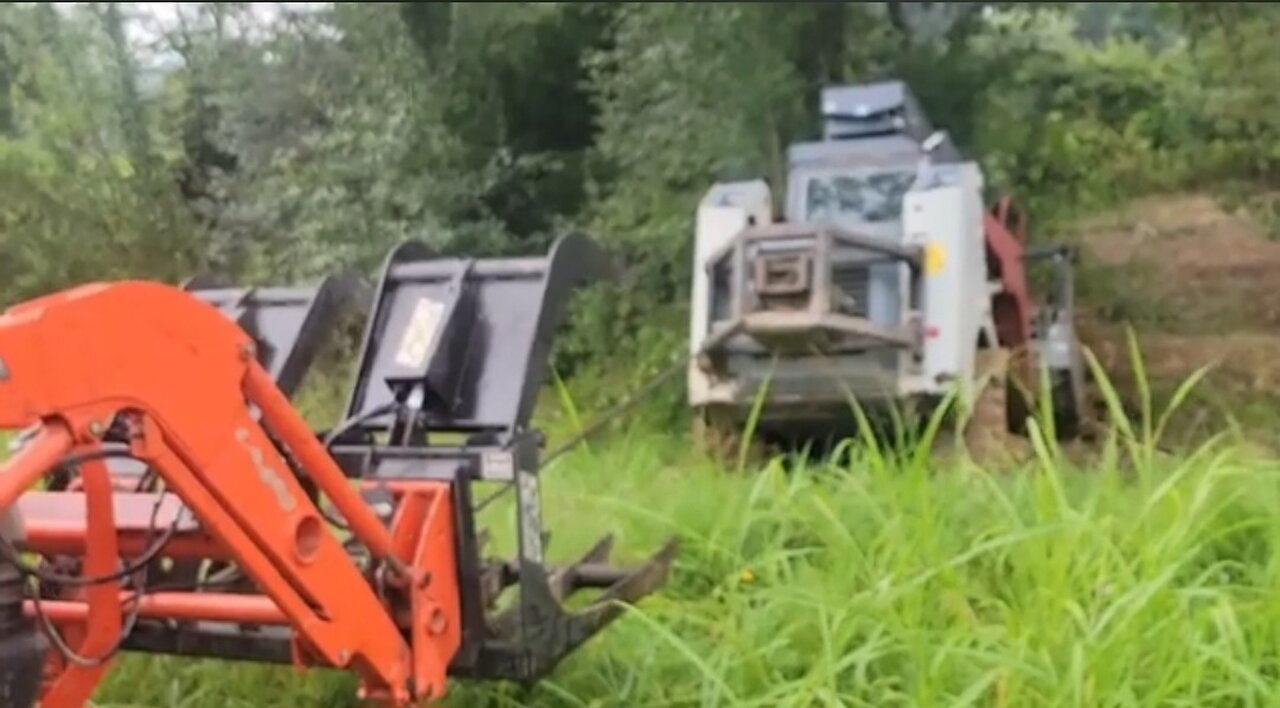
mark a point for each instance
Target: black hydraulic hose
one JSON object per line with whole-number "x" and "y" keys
{"x": 19, "y": 642}
{"x": 646, "y": 389}
{"x": 9, "y": 553}
{"x": 332, "y": 438}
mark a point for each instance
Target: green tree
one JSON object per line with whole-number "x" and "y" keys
{"x": 79, "y": 204}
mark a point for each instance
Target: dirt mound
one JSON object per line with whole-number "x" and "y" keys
{"x": 1204, "y": 269}
{"x": 1199, "y": 285}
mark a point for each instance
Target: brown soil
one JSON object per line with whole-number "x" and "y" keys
{"x": 1213, "y": 277}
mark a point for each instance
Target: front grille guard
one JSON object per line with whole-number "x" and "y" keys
{"x": 785, "y": 289}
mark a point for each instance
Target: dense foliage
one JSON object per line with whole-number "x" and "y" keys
{"x": 274, "y": 144}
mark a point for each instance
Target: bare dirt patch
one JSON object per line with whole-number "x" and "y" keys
{"x": 1202, "y": 287}
{"x": 1206, "y": 269}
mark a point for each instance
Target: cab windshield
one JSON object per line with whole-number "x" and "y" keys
{"x": 868, "y": 197}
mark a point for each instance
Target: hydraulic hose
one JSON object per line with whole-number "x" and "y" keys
{"x": 20, "y": 649}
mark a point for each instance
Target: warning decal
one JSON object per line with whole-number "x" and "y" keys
{"x": 934, "y": 258}
{"x": 420, "y": 334}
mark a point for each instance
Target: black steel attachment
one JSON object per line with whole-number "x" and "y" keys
{"x": 464, "y": 342}
{"x": 288, "y": 325}
{"x": 527, "y": 641}
{"x": 455, "y": 352}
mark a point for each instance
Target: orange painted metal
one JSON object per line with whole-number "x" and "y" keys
{"x": 56, "y": 524}
{"x": 26, "y": 468}
{"x": 424, "y": 530}
{"x": 75, "y": 685}
{"x": 177, "y": 372}
{"x": 281, "y": 417}
{"x": 63, "y": 542}
{"x": 195, "y": 607}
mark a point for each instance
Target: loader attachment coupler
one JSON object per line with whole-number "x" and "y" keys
{"x": 234, "y": 554}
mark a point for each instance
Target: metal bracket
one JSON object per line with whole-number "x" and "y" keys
{"x": 527, "y": 642}
{"x": 784, "y": 299}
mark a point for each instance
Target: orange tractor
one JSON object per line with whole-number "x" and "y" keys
{"x": 163, "y": 494}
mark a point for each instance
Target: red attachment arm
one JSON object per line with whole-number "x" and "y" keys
{"x": 1005, "y": 228}
{"x": 180, "y": 373}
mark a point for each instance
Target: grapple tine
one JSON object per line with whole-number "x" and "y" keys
{"x": 627, "y": 587}
{"x": 562, "y": 579}
{"x": 564, "y": 631}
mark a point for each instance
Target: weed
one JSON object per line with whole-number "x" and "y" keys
{"x": 879, "y": 580}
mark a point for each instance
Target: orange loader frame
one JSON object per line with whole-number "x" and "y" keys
{"x": 184, "y": 377}
{"x": 146, "y": 371}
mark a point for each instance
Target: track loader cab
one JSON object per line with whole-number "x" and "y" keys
{"x": 874, "y": 140}
{"x": 876, "y": 143}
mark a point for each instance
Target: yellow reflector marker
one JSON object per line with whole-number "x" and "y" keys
{"x": 934, "y": 258}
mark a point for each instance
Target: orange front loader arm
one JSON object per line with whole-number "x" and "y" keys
{"x": 172, "y": 378}
{"x": 177, "y": 504}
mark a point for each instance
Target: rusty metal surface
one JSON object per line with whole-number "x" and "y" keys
{"x": 788, "y": 300}
{"x": 804, "y": 332}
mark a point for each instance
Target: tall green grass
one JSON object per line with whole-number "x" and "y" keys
{"x": 1138, "y": 579}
